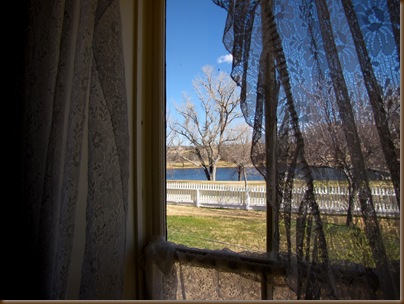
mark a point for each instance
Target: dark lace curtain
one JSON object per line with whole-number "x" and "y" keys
{"x": 74, "y": 143}
{"x": 320, "y": 87}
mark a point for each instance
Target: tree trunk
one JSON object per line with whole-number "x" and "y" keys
{"x": 245, "y": 176}
{"x": 239, "y": 172}
{"x": 375, "y": 97}
{"x": 212, "y": 169}
{"x": 206, "y": 171}
{"x": 361, "y": 183}
{"x": 350, "y": 196}
{"x": 247, "y": 191}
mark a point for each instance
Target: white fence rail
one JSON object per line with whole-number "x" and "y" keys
{"x": 331, "y": 197}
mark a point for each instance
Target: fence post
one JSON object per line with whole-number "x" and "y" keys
{"x": 247, "y": 198}
{"x": 197, "y": 198}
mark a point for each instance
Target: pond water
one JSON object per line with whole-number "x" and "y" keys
{"x": 222, "y": 174}
{"x": 230, "y": 174}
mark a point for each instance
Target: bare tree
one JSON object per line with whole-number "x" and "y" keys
{"x": 361, "y": 182}
{"x": 375, "y": 95}
{"x": 172, "y": 143}
{"x": 325, "y": 139}
{"x": 392, "y": 105}
{"x": 206, "y": 125}
{"x": 239, "y": 152}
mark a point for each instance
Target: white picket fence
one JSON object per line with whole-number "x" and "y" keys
{"x": 331, "y": 197}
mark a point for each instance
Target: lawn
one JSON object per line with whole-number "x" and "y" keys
{"x": 217, "y": 232}
{"x": 241, "y": 230}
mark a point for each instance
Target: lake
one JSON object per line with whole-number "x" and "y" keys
{"x": 230, "y": 174}
{"x": 222, "y": 174}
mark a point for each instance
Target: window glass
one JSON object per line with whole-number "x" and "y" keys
{"x": 319, "y": 83}
{"x": 215, "y": 197}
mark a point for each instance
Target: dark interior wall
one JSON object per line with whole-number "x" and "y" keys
{"x": 13, "y": 268}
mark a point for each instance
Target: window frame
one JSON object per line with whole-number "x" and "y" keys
{"x": 149, "y": 149}
{"x": 148, "y": 132}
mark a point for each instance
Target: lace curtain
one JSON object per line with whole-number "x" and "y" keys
{"x": 74, "y": 118}
{"x": 320, "y": 86}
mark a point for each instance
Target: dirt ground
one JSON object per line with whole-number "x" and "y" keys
{"x": 228, "y": 213}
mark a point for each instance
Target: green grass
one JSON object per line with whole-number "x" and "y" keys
{"x": 351, "y": 243}
{"x": 217, "y": 232}
{"x": 248, "y": 234}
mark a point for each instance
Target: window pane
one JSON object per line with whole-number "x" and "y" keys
{"x": 322, "y": 93}
{"x": 215, "y": 197}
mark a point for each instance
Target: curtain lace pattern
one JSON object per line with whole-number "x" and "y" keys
{"x": 76, "y": 104}
{"x": 318, "y": 80}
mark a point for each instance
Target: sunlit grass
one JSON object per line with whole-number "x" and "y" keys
{"x": 217, "y": 232}
{"x": 217, "y": 229}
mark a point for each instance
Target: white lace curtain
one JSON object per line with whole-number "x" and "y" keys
{"x": 74, "y": 118}
{"x": 289, "y": 55}
{"x": 318, "y": 82}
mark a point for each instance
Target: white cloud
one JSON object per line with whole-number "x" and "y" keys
{"x": 225, "y": 59}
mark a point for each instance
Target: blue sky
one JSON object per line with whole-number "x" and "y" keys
{"x": 194, "y": 31}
